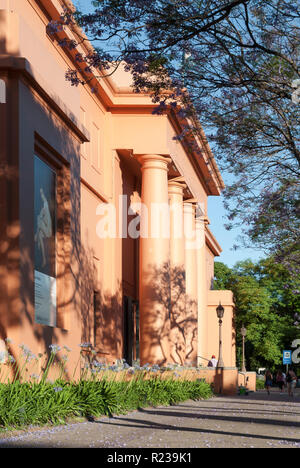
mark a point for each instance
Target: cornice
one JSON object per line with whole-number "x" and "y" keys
{"x": 21, "y": 67}
{"x": 122, "y": 99}
{"x": 212, "y": 243}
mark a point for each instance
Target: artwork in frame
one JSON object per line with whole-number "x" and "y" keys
{"x": 44, "y": 243}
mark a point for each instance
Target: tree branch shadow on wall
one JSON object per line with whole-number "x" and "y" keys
{"x": 17, "y": 258}
{"x": 101, "y": 320}
{"x": 175, "y": 323}
{"x": 17, "y": 243}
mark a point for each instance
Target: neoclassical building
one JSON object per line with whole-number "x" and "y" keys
{"x": 104, "y": 230}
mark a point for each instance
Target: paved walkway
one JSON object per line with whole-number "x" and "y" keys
{"x": 256, "y": 420}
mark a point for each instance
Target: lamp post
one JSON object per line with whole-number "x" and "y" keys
{"x": 220, "y": 314}
{"x": 243, "y": 333}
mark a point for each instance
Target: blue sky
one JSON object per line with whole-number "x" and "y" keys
{"x": 83, "y": 5}
{"x": 226, "y": 239}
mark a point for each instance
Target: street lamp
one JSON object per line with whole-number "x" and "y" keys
{"x": 220, "y": 314}
{"x": 243, "y": 333}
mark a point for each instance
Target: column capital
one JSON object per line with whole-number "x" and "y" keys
{"x": 204, "y": 219}
{"x": 153, "y": 161}
{"x": 201, "y": 219}
{"x": 192, "y": 201}
{"x": 176, "y": 187}
{"x": 190, "y": 206}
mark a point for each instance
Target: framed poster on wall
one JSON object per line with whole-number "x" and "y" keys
{"x": 44, "y": 243}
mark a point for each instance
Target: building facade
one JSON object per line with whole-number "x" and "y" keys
{"x": 104, "y": 230}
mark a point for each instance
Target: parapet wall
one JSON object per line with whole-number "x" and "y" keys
{"x": 224, "y": 381}
{"x": 247, "y": 380}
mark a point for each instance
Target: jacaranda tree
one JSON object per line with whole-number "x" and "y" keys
{"x": 235, "y": 65}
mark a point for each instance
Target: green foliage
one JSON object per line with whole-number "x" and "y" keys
{"x": 223, "y": 276}
{"x": 156, "y": 391}
{"x": 266, "y": 303}
{"x": 22, "y": 404}
{"x": 260, "y": 384}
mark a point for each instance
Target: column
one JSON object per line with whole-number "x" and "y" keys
{"x": 201, "y": 291}
{"x": 191, "y": 327}
{"x": 154, "y": 271}
{"x": 177, "y": 273}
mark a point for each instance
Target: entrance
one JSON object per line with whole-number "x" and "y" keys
{"x": 131, "y": 332}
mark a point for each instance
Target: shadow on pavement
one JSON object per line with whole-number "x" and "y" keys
{"x": 153, "y": 425}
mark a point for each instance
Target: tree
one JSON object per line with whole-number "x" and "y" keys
{"x": 233, "y": 64}
{"x": 223, "y": 277}
{"x": 266, "y": 304}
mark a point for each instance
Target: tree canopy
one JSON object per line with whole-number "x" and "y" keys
{"x": 235, "y": 65}
{"x": 267, "y": 304}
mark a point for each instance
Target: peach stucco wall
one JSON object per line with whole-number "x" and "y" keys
{"x": 247, "y": 380}
{"x": 100, "y": 142}
{"x": 228, "y": 328}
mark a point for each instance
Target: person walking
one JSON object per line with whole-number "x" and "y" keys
{"x": 291, "y": 380}
{"x": 280, "y": 380}
{"x": 268, "y": 381}
{"x": 284, "y": 377}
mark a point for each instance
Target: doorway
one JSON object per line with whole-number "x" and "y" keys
{"x": 131, "y": 332}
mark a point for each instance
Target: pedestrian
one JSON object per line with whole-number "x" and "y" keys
{"x": 284, "y": 378}
{"x": 280, "y": 380}
{"x": 213, "y": 362}
{"x": 268, "y": 381}
{"x": 291, "y": 380}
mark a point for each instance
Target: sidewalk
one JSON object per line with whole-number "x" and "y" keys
{"x": 256, "y": 420}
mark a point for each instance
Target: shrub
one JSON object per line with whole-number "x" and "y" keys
{"x": 31, "y": 399}
{"x": 260, "y": 384}
{"x": 42, "y": 403}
